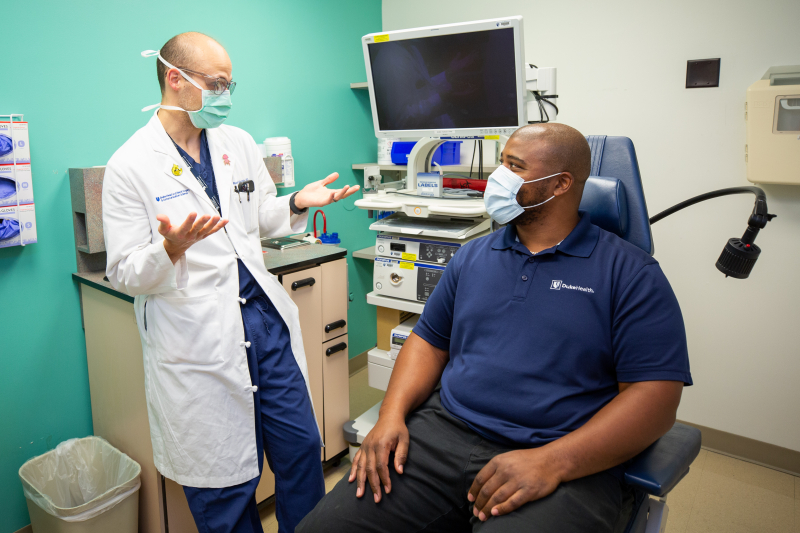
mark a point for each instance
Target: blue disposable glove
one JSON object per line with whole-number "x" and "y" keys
{"x": 7, "y": 188}
{"x": 8, "y": 228}
{"x": 6, "y": 146}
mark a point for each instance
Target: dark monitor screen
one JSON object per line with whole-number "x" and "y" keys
{"x": 463, "y": 80}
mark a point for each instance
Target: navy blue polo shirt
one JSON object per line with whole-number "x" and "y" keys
{"x": 248, "y": 286}
{"x": 538, "y": 343}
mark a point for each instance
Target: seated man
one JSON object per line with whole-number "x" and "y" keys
{"x": 561, "y": 352}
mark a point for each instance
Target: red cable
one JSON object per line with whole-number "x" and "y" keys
{"x": 324, "y": 222}
{"x": 463, "y": 183}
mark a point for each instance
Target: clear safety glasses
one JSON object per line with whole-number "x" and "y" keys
{"x": 220, "y": 85}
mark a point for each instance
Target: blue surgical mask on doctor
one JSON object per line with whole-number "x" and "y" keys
{"x": 500, "y": 196}
{"x": 215, "y": 107}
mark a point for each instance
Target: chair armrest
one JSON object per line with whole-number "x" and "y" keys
{"x": 662, "y": 465}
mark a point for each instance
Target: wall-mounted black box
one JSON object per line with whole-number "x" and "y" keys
{"x": 702, "y": 73}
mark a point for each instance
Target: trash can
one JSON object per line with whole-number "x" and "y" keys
{"x": 83, "y": 486}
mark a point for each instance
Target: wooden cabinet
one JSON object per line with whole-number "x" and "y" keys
{"x": 336, "y": 398}
{"x": 305, "y": 289}
{"x": 320, "y": 293}
{"x": 334, "y": 299}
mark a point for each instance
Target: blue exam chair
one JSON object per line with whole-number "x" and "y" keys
{"x": 614, "y": 199}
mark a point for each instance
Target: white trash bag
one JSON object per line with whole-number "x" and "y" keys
{"x": 80, "y": 479}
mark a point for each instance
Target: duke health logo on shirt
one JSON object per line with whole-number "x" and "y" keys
{"x": 557, "y": 285}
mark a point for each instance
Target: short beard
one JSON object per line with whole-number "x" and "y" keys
{"x": 534, "y": 214}
{"x": 185, "y": 102}
{"x": 530, "y": 216}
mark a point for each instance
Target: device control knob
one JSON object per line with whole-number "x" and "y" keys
{"x": 379, "y": 285}
{"x": 381, "y": 249}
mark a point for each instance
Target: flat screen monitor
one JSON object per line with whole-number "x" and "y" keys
{"x": 455, "y": 80}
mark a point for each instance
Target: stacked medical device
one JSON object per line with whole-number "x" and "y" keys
{"x": 452, "y": 86}
{"x": 408, "y": 267}
{"x": 445, "y": 84}
{"x": 17, "y": 209}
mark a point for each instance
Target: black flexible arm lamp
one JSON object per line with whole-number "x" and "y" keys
{"x": 739, "y": 256}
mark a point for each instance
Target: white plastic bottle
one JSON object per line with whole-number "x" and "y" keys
{"x": 282, "y": 147}
{"x": 385, "y": 149}
{"x": 288, "y": 170}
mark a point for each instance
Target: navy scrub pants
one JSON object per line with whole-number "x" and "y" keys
{"x": 285, "y": 429}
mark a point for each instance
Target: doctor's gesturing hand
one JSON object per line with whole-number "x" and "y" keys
{"x": 316, "y": 194}
{"x": 178, "y": 239}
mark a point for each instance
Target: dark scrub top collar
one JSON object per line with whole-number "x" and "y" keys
{"x": 579, "y": 243}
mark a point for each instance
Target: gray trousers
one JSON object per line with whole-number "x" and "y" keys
{"x": 444, "y": 457}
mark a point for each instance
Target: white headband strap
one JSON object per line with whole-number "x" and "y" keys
{"x": 152, "y": 53}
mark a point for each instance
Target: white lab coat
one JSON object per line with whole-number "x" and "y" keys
{"x": 199, "y": 394}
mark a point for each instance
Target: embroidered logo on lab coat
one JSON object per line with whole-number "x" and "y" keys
{"x": 225, "y": 159}
{"x": 176, "y": 170}
{"x": 170, "y": 196}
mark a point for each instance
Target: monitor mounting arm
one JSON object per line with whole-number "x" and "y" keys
{"x": 739, "y": 255}
{"x": 419, "y": 160}
{"x": 541, "y": 94}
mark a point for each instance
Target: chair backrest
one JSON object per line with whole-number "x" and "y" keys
{"x": 607, "y": 204}
{"x": 613, "y": 196}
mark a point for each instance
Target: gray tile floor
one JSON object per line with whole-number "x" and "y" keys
{"x": 720, "y": 494}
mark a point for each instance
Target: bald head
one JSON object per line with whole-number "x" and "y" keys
{"x": 193, "y": 51}
{"x": 557, "y": 147}
{"x": 554, "y": 161}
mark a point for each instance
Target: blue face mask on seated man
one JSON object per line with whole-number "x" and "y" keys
{"x": 500, "y": 196}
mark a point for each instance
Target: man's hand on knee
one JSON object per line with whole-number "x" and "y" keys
{"x": 371, "y": 462}
{"x": 511, "y": 480}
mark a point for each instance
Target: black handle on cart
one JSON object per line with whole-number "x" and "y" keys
{"x": 299, "y": 284}
{"x": 335, "y": 325}
{"x": 333, "y": 349}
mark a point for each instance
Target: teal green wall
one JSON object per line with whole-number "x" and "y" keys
{"x": 74, "y": 70}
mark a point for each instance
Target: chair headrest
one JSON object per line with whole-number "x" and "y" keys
{"x": 605, "y": 201}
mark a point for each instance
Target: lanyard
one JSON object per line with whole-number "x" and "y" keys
{"x": 213, "y": 200}
{"x": 200, "y": 181}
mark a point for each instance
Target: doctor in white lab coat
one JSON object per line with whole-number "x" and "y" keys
{"x": 185, "y": 203}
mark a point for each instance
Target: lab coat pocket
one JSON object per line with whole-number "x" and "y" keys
{"x": 253, "y": 212}
{"x": 249, "y": 208}
{"x": 185, "y": 329}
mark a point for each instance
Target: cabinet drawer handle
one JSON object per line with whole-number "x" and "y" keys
{"x": 308, "y": 282}
{"x": 333, "y": 349}
{"x": 335, "y": 325}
